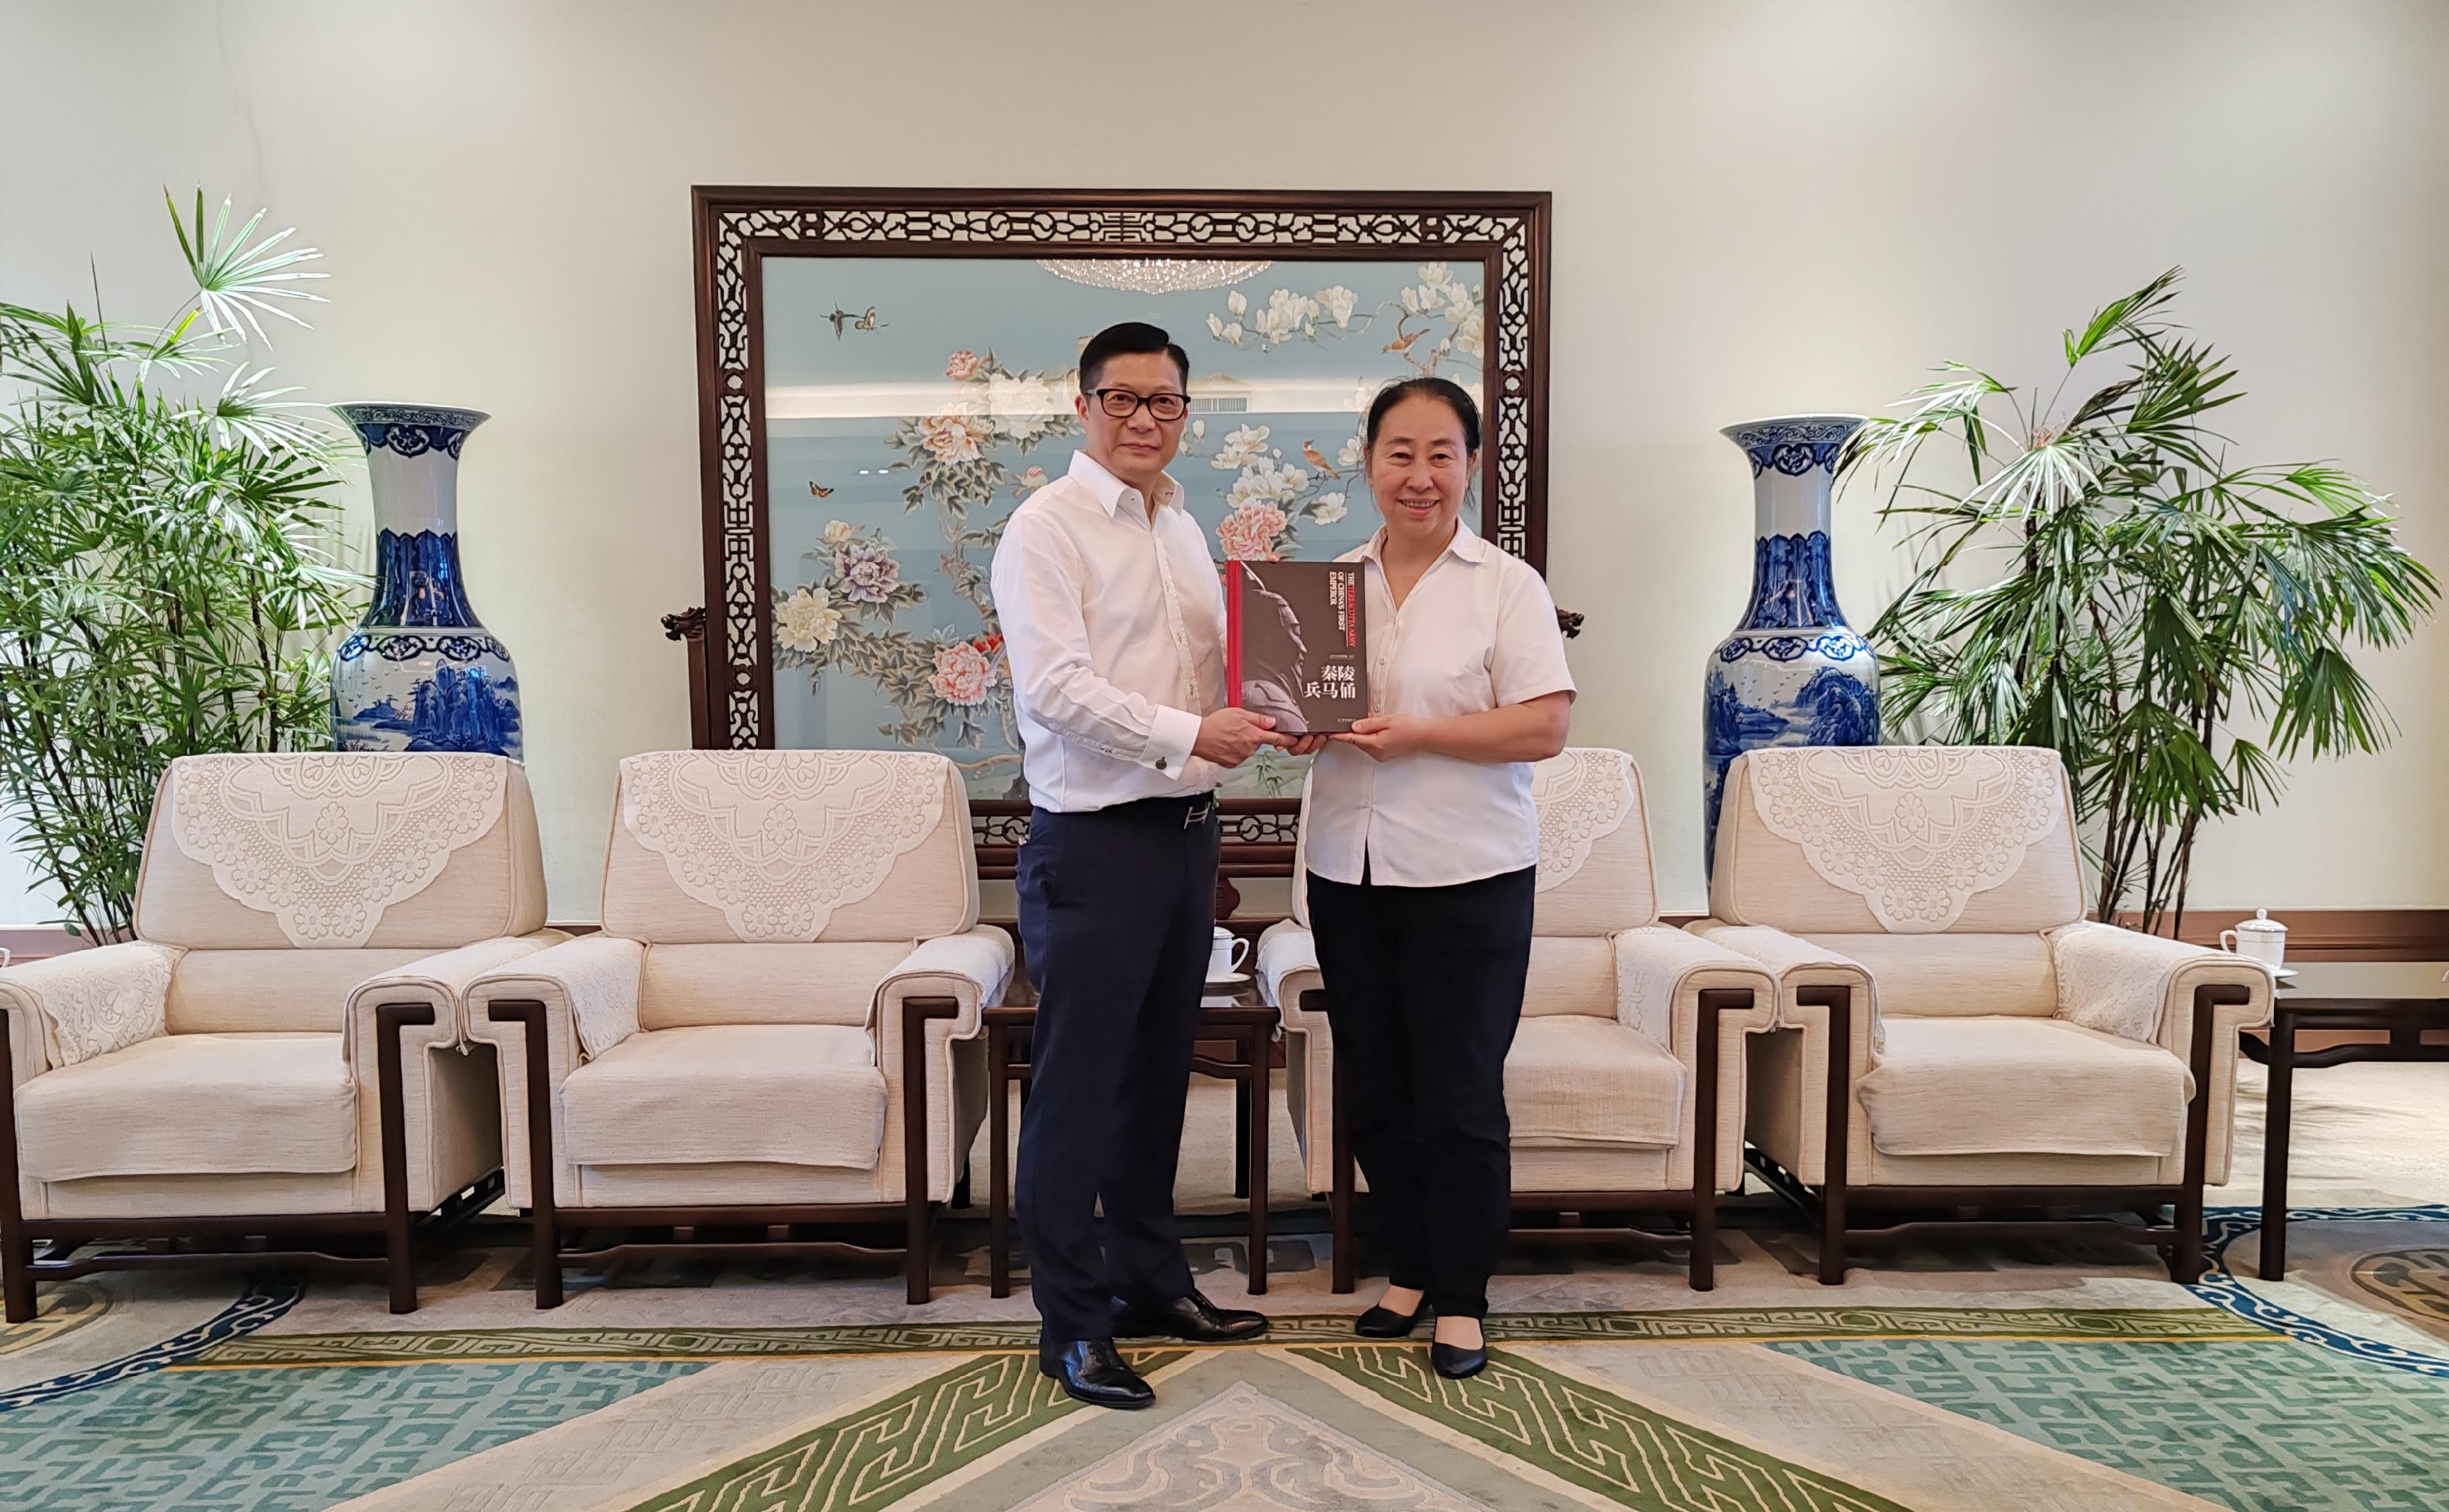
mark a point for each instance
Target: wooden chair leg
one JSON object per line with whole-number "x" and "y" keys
{"x": 1702, "y": 1269}
{"x": 918, "y": 1248}
{"x": 1832, "y": 1235}
{"x": 399, "y": 1259}
{"x": 917, "y": 1243}
{"x": 1838, "y": 1131}
{"x": 544, "y": 1248}
{"x": 2186, "y": 1264}
{"x": 544, "y": 1218}
{"x": 16, "y": 1258}
{"x": 400, "y": 1242}
{"x": 16, "y": 1245}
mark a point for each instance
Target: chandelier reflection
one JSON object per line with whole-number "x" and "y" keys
{"x": 1152, "y": 274}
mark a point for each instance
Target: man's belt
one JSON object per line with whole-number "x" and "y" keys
{"x": 1185, "y": 813}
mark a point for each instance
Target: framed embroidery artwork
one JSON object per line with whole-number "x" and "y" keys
{"x": 884, "y": 374}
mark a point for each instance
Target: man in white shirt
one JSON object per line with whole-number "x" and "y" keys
{"x": 1113, "y": 620}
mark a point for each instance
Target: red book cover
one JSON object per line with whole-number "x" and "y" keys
{"x": 1296, "y": 643}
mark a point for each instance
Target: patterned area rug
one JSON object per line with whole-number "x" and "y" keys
{"x": 1951, "y": 1377}
{"x": 1926, "y": 1385}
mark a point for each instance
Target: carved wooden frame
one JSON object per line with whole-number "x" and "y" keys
{"x": 735, "y": 229}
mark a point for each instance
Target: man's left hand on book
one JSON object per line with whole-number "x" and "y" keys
{"x": 1230, "y": 736}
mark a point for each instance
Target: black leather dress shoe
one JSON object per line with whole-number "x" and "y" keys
{"x": 1455, "y": 1363}
{"x": 1385, "y": 1323}
{"x": 1092, "y": 1370}
{"x": 1192, "y": 1317}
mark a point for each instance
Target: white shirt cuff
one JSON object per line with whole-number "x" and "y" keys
{"x": 1168, "y": 746}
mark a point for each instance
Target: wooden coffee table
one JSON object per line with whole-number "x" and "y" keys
{"x": 1246, "y": 1024}
{"x": 2404, "y": 1017}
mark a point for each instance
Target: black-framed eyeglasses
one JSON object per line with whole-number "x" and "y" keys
{"x": 1123, "y": 404}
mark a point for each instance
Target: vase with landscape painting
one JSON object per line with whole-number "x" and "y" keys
{"x": 1794, "y": 672}
{"x": 420, "y": 672}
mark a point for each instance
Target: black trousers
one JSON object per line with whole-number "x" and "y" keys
{"x": 1117, "y": 909}
{"x": 1424, "y": 989}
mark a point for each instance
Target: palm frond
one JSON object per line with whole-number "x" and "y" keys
{"x": 2112, "y": 587}
{"x": 236, "y": 281}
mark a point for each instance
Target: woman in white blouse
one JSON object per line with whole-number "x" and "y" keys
{"x": 1423, "y": 847}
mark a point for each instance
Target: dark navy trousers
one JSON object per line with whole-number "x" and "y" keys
{"x": 1117, "y": 908}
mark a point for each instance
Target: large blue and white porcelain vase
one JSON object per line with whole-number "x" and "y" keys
{"x": 1793, "y": 673}
{"x": 420, "y": 673}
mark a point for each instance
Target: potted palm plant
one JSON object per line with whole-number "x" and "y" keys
{"x": 170, "y": 577}
{"x": 2099, "y": 577}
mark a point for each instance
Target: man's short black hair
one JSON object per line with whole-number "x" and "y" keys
{"x": 1130, "y": 336}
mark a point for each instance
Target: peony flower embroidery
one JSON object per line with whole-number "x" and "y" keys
{"x": 866, "y": 571}
{"x": 808, "y": 619}
{"x": 961, "y": 365}
{"x": 1029, "y": 482}
{"x": 837, "y": 533}
{"x": 961, "y": 676}
{"x": 1248, "y": 534}
{"x": 954, "y": 435}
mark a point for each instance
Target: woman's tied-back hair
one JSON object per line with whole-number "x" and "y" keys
{"x": 1445, "y": 390}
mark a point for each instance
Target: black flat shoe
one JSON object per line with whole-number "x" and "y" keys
{"x": 1385, "y": 1323}
{"x": 1455, "y": 1363}
{"x": 1093, "y": 1371}
{"x": 1192, "y": 1317}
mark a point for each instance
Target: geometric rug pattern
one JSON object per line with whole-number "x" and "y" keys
{"x": 286, "y": 1441}
{"x": 2179, "y": 1403}
{"x": 1626, "y": 1452}
{"x": 1946, "y": 1376}
{"x": 2273, "y": 1425}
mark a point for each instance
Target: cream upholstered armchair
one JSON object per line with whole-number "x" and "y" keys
{"x": 777, "y": 1025}
{"x": 1923, "y": 908}
{"x": 278, "y": 1051}
{"x": 1624, "y": 1085}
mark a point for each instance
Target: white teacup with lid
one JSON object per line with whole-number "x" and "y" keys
{"x": 2261, "y": 938}
{"x": 1225, "y": 955}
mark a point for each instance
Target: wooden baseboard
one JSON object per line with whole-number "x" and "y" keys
{"x": 2335, "y": 934}
{"x": 33, "y": 945}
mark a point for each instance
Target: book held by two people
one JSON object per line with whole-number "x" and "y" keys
{"x": 1296, "y": 643}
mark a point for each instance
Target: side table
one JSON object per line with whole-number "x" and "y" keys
{"x": 2404, "y": 1017}
{"x": 1247, "y": 1024}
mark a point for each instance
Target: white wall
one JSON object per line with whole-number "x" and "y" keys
{"x": 1760, "y": 208}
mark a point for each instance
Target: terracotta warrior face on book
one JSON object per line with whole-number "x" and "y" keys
{"x": 1294, "y": 644}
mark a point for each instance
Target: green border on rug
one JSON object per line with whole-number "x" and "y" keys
{"x": 1715, "y": 1324}
{"x": 1595, "y": 1439}
{"x": 876, "y": 1456}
